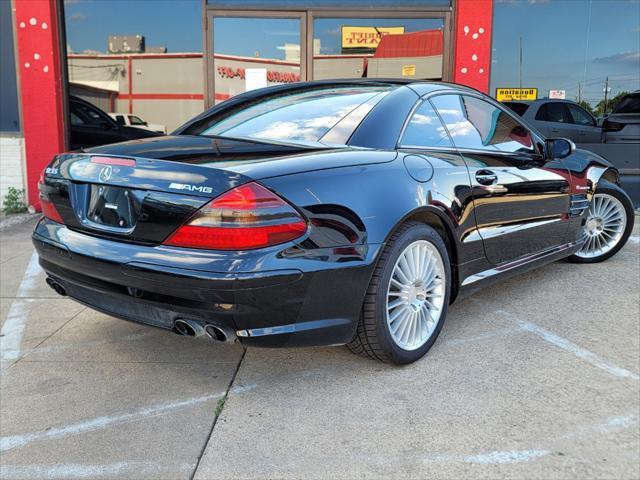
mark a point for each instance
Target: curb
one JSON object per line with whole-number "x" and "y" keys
{"x": 17, "y": 219}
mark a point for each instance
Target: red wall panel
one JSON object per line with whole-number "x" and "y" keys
{"x": 39, "y": 66}
{"x": 472, "y": 56}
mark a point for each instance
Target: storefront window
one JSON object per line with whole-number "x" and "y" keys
{"x": 9, "y": 120}
{"x": 378, "y": 47}
{"x": 292, "y": 4}
{"x": 253, "y": 53}
{"x": 140, "y": 61}
{"x": 575, "y": 48}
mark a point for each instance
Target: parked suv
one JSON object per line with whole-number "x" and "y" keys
{"x": 559, "y": 118}
{"x": 91, "y": 127}
{"x": 623, "y": 125}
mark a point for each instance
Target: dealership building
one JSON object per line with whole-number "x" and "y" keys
{"x": 244, "y": 45}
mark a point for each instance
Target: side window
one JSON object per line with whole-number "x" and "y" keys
{"x": 76, "y": 120}
{"x": 89, "y": 116}
{"x": 580, "y": 117}
{"x": 475, "y": 123}
{"x": 553, "y": 112}
{"x": 425, "y": 129}
{"x": 136, "y": 120}
{"x": 120, "y": 119}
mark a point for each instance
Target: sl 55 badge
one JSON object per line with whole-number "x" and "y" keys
{"x": 190, "y": 188}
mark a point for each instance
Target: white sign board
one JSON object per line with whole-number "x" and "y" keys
{"x": 559, "y": 94}
{"x": 255, "y": 78}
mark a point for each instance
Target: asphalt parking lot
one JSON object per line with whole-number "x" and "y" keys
{"x": 536, "y": 377}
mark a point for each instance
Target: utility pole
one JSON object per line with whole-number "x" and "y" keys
{"x": 579, "y": 92}
{"x": 521, "y": 64}
{"x": 606, "y": 93}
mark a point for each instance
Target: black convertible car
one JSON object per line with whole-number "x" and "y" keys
{"x": 322, "y": 213}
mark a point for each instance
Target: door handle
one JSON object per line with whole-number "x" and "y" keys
{"x": 486, "y": 177}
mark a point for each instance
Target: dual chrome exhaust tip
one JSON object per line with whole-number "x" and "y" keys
{"x": 182, "y": 326}
{"x": 193, "y": 328}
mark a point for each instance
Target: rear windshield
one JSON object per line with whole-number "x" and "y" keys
{"x": 307, "y": 116}
{"x": 629, "y": 104}
{"x": 518, "y": 108}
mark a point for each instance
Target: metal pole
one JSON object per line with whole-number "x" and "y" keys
{"x": 521, "y": 64}
{"x": 606, "y": 93}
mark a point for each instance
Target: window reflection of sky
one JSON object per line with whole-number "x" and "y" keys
{"x": 474, "y": 123}
{"x": 425, "y": 129}
{"x": 305, "y": 117}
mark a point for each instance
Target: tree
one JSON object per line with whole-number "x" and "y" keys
{"x": 587, "y": 106}
{"x": 611, "y": 104}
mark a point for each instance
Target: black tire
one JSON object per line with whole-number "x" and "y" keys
{"x": 373, "y": 337}
{"x": 615, "y": 191}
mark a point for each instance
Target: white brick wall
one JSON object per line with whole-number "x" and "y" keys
{"x": 11, "y": 164}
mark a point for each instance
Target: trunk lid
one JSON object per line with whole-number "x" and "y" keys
{"x": 131, "y": 199}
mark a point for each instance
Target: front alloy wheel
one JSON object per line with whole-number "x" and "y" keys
{"x": 607, "y": 226}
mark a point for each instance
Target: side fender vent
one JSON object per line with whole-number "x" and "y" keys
{"x": 579, "y": 204}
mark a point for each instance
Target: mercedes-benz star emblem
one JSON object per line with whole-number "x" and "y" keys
{"x": 105, "y": 173}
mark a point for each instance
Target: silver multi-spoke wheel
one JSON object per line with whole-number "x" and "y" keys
{"x": 605, "y": 226}
{"x": 415, "y": 297}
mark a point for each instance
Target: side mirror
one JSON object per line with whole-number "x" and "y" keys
{"x": 559, "y": 148}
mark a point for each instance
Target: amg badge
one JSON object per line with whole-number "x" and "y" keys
{"x": 191, "y": 188}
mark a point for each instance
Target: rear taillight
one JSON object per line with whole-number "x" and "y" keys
{"x": 247, "y": 217}
{"x": 609, "y": 126}
{"x": 48, "y": 208}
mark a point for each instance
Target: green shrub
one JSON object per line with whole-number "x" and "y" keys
{"x": 14, "y": 201}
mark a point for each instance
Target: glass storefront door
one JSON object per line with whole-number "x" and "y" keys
{"x": 249, "y": 49}
{"x": 411, "y": 48}
{"x": 253, "y": 51}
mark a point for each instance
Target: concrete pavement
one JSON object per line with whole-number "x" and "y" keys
{"x": 536, "y": 377}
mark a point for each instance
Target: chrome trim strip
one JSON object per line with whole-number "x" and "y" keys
{"x": 467, "y": 150}
{"x": 495, "y": 231}
{"x": 518, "y": 263}
{"x": 293, "y": 328}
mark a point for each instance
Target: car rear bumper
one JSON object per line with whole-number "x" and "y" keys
{"x": 277, "y": 297}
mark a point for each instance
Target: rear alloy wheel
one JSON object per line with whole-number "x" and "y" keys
{"x": 415, "y": 295}
{"x": 608, "y": 225}
{"x": 407, "y": 299}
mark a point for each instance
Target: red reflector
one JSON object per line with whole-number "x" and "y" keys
{"x": 123, "y": 162}
{"x": 247, "y": 217}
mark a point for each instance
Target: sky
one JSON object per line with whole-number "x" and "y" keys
{"x": 565, "y": 42}
{"x": 176, "y": 24}
{"x": 557, "y": 38}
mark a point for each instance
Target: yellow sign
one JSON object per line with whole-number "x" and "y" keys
{"x": 408, "y": 70}
{"x": 366, "y": 37}
{"x": 508, "y": 94}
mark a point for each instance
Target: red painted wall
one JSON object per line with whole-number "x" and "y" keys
{"x": 472, "y": 56}
{"x": 40, "y": 75}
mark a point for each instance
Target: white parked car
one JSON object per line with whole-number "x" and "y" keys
{"x": 130, "y": 120}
